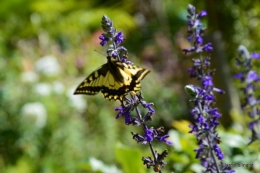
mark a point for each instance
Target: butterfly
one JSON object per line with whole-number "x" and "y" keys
{"x": 114, "y": 79}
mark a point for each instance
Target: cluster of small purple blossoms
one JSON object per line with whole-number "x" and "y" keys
{"x": 195, "y": 31}
{"x": 204, "y": 113}
{"x": 115, "y": 39}
{"x": 128, "y": 105}
{"x": 249, "y": 79}
{"x": 150, "y": 134}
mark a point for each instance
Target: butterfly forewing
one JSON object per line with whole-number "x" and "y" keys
{"x": 94, "y": 82}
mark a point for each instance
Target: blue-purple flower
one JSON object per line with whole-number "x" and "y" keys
{"x": 255, "y": 55}
{"x": 104, "y": 40}
{"x": 124, "y": 112}
{"x": 163, "y": 139}
{"x": 113, "y": 39}
{"x": 149, "y": 134}
{"x": 202, "y": 13}
{"x": 218, "y": 152}
{"x": 249, "y": 78}
{"x": 204, "y": 113}
{"x": 119, "y": 38}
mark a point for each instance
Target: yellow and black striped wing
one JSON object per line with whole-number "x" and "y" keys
{"x": 131, "y": 75}
{"x": 94, "y": 82}
{"x": 136, "y": 72}
{"x": 114, "y": 79}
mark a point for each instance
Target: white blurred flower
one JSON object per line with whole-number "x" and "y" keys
{"x": 98, "y": 165}
{"x": 35, "y": 112}
{"x": 29, "y": 77}
{"x": 43, "y": 89}
{"x": 77, "y": 101}
{"x": 48, "y": 65}
{"x": 58, "y": 87}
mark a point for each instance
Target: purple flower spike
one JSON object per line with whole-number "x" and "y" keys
{"x": 149, "y": 134}
{"x": 130, "y": 108}
{"x": 113, "y": 39}
{"x": 204, "y": 113}
{"x": 249, "y": 79}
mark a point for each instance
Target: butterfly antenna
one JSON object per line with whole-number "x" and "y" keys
{"x": 100, "y": 53}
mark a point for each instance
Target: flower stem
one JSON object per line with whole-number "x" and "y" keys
{"x": 150, "y": 144}
{"x": 213, "y": 155}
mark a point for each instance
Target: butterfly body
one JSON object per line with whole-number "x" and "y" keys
{"x": 114, "y": 79}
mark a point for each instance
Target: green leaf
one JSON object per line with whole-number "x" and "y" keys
{"x": 130, "y": 159}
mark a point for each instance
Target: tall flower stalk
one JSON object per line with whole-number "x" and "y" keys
{"x": 249, "y": 80}
{"x": 131, "y": 106}
{"x": 205, "y": 114}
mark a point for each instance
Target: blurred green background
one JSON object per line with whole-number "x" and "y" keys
{"x": 47, "y": 47}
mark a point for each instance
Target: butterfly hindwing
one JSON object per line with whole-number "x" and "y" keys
{"x": 129, "y": 70}
{"x": 114, "y": 79}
